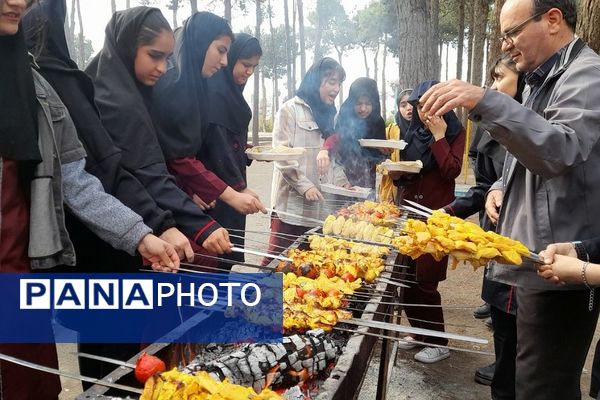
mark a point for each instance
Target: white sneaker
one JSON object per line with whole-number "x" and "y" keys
{"x": 431, "y": 355}
{"x": 408, "y": 343}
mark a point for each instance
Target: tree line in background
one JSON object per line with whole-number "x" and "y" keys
{"x": 418, "y": 34}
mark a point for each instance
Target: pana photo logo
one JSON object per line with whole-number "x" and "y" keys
{"x": 133, "y": 294}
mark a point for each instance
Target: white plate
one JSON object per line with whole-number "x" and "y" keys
{"x": 357, "y": 191}
{"x": 403, "y": 166}
{"x": 383, "y": 144}
{"x": 267, "y": 153}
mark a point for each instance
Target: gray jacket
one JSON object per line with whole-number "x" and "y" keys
{"x": 61, "y": 177}
{"x": 551, "y": 183}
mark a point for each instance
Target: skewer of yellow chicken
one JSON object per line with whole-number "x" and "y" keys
{"x": 444, "y": 234}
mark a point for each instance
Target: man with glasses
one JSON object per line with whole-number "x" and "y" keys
{"x": 550, "y": 187}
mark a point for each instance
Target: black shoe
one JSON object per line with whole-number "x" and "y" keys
{"x": 485, "y": 374}
{"x": 488, "y": 323}
{"x": 483, "y": 311}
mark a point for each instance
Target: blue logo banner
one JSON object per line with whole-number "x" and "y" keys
{"x": 141, "y": 308}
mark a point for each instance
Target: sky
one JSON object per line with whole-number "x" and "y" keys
{"x": 97, "y": 13}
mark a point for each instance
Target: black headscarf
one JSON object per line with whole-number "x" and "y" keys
{"x": 180, "y": 98}
{"x": 18, "y": 101}
{"x": 122, "y": 100}
{"x": 418, "y": 138}
{"x": 228, "y": 107}
{"x": 402, "y": 122}
{"x": 308, "y": 91}
{"x": 359, "y": 161}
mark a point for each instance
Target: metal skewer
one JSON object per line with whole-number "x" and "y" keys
{"x": 71, "y": 375}
{"x": 259, "y": 253}
{"x": 409, "y": 329}
{"x": 485, "y": 353}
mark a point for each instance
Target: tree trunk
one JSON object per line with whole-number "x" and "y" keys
{"x": 375, "y": 64}
{"x": 417, "y": 62}
{"x": 257, "y": 75}
{"x": 434, "y": 9}
{"x": 263, "y": 102}
{"x": 364, "y": 51}
{"x": 294, "y": 49}
{"x": 481, "y": 8}
{"x": 447, "y": 61}
{"x": 588, "y": 25}
{"x": 288, "y": 47}
{"x": 113, "y": 6}
{"x": 275, "y": 104}
{"x": 70, "y": 31}
{"x": 340, "y": 54}
{"x": 81, "y": 42}
{"x": 460, "y": 49}
{"x": 227, "y": 10}
{"x": 318, "y": 52}
{"x": 128, "y": 4}
{"x": 302, "y": 42}
{"x": 274, "y": 64}
{"x": 383, "y": 83}
{"x": 470, "y": 38}
{"x": 194, "y": 6}
{"x": 175, "y": 4}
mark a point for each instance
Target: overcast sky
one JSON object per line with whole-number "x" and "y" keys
{"x": 96, "y": 14}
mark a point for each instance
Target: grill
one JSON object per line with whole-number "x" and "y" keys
{"x": 322, "y": 376}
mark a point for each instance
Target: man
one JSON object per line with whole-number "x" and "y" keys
{"x": 551, "y": 182}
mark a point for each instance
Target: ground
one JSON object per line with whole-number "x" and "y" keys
{"x": 449, "y": 379}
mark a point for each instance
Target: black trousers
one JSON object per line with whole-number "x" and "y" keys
{"x": 554, "y": 332}
{"x": 505, "y": 347}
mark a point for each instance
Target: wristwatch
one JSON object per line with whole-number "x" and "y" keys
{"x": 581, "y": 251}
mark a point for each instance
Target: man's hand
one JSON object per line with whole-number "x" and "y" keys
{"x": 493, "y": 202}
{"x": 323, "y": 162}
{"x": 313, "y": 194}
{"x": 180, "y": 242}
{"x": 243, "y": 203}
{"x": 161, "y": 254}
{"x": 218, "y": 242}
{"x": 202, "y": 204}
{"x": 447, "y": 96}
{"x": 564, "y": 249}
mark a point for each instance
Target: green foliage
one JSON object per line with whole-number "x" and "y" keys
{"x": 268, "y": 127}
{"x": 273, "y": 62}
{"x": 370, "y": 25}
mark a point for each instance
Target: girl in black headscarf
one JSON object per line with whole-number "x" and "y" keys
{"x": 359, "y": 118}
{"x": 182, "y": 107}
{"x": 137, "y": 44}
{"x": 388, "y": 191}
{"x": 224, "y": 145}
{"x": 45, "y": 34}
{"x": 42, "y": 165}
{"x": 439, "y": 143}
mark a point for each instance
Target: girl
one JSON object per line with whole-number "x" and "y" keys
{"x": 359, "y": 118}
{"x": 304, "y": 121}
{"x": 42, "y": 165}
{"x": 223, "y": 148}
{"x": 388, "y": 191}
{"x": 182, "y": 110}
{"x": 137, "y": 44}
{"x": 439, "y": 143}
{"x": 43, "y": 25}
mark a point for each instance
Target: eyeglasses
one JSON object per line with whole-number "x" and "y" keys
{"x": 509, "y": 35}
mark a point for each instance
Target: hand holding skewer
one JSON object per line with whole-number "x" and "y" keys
{"x": 180, "y": 242}
{"x": 218, "y": 242}
{"x": 313, "y": 194}
{"x": 561, "y": 264}
{"x": 161, "y": 254}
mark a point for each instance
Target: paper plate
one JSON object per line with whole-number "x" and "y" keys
{"x": 356, "y": 191}
{"x": 384, "y": 144}
{"x": 268, "y": 153}
{"x": 403, "y": 166}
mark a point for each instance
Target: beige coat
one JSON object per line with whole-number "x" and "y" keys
{"x": 294, "y": 126}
